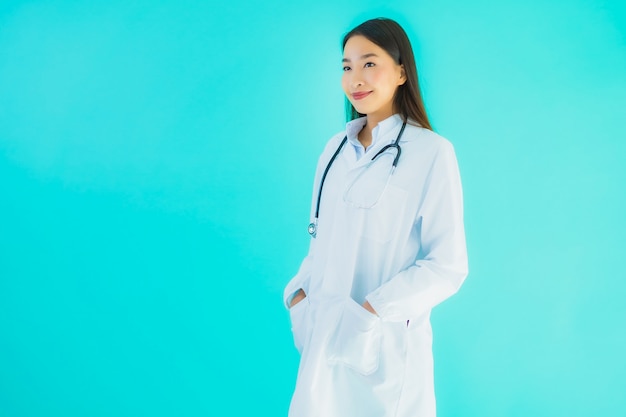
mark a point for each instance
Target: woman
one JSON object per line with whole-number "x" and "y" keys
{"x": 387, "y": 245}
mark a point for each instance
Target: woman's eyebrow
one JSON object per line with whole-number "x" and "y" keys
{"x": 362, "y": 57}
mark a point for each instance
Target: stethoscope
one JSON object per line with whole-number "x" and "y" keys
{"x": 395, "y": 145}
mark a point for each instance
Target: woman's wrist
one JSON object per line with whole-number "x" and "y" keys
{"x": 368, "y": 307}
{"x": 296, "y": 297}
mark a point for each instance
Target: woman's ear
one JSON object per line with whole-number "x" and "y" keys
{"x": 402, "y": 79}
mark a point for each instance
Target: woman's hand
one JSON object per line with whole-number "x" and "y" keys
{"x": 368, "y": 307}
{"x": 299, "y": 296}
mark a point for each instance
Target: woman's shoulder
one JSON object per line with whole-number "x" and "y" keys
{"x": 422, "y": 138}
{"x": 330, "y": 148}
{"x": 335, "y": 140}
{"x": 332, "y": 144}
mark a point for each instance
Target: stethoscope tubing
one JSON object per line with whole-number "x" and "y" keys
{"x": 330, "y": 163}
{"x": 395, "y": 144}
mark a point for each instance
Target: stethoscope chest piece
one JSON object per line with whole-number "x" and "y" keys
{"x": 313, "y": 229}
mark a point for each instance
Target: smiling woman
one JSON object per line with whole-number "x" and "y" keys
{"x": 370, "y": 79}
{"x": 388, "y": 243}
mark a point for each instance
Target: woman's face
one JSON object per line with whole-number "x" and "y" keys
{"x": 370, "y": 77}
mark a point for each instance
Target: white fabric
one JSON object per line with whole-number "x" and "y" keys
{"x": 404, "y": 255}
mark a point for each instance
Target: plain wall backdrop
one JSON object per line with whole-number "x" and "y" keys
{"x": 156, "y": 163}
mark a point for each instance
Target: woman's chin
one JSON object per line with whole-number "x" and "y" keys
{"x": 361, "y": 109}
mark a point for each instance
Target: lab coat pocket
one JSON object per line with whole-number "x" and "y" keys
{"x": 356, "y": 339}
{"x": 299, "y": 315}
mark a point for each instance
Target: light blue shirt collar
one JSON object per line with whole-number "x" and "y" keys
{"x": 353, "y": 128}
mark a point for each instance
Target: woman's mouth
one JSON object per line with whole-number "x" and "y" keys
{"x": 361, "y": 95}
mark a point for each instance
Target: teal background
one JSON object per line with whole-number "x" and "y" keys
{"x": 156, "y": 160}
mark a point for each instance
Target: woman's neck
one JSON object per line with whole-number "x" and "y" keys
{"x": 365, "y": 135}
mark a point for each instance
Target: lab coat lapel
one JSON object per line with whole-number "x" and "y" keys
{"x": 349, "y": 155}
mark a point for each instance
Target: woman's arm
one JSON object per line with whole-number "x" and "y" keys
{"x": 301, "y": 280}
{"x": 442, "y": 266}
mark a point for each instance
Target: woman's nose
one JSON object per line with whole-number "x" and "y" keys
{"x": 356, "y": 83}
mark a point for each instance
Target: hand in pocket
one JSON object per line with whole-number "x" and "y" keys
{"x": 299, "y": 296}
{"x": 356, "y": 340}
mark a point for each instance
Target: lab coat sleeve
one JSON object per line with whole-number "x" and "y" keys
{"x": 441, "y": 265}
{"x": 302, "y": 278}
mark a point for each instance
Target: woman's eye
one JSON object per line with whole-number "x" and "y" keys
{"x": 369, "y": 64}
{"x": 346, "y": 68}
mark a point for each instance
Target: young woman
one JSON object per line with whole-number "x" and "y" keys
{"x": 387, "y": 243}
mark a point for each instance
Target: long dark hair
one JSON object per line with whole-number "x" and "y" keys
{"x": 390, "y": 36}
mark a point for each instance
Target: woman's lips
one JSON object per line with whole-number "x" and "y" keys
{"x": 359, "y": 96}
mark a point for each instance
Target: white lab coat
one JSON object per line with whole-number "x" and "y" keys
{"x": 404, "y": 255}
